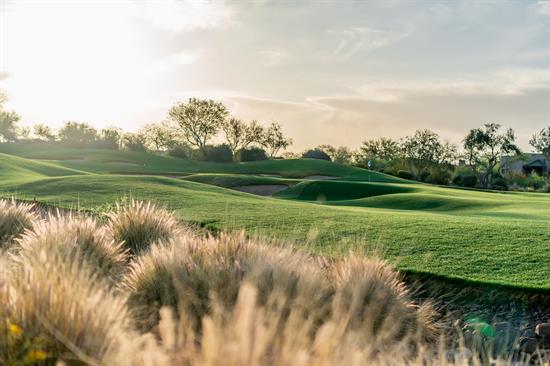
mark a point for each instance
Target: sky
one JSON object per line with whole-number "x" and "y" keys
{"x": 330, "y": 72}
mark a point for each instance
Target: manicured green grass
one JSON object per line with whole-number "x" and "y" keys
{"x": 488, "y": 237}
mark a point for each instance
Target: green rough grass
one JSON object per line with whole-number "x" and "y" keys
{"x": 485, "y": 237}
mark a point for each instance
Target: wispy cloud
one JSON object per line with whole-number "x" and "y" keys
{"x": 543, "y": 8}
{"x": 358, "y": 39}
{"x": 184, "y": 15}
{"x": 274, "y": 56}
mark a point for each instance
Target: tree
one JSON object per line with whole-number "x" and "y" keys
{"x": 341, "y": 155}
{"x": 239, "y": 135}
{"x": 9, "y": 130}
{"x": 79, "y": 135}
{"x": 159, "y": 136}
{"x": 199, "y": 121}
{"x": 274, "y": 141}
{"x": 110, "y": 138}
{"x": 422, "y": 149}
{"x": 486, "y": 145}
{"x": 44, "y": 132}
{"x": 382, "y": 149}
{"x": 541, "y": 142}
{"x": 133, "y": 142}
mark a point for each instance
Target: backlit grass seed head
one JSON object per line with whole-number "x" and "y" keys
{"x": 15, "y": 218}
{"x": 62, "y": 304}
{"x": 189, "y": 272}
{"x": 78, "y": 238}
{"x": 140, "y": 224}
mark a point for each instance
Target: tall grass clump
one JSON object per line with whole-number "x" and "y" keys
{"x": 57, "y": 307}
{"x": 190, "y": 272}
{"x": 139, "y": 225}
{"x": 246, "y": 302}
{"x": 79, "y": 238}
{"x": 15, "y": 218}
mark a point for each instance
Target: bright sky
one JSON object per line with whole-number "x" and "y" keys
{"x": 335, "y": 72}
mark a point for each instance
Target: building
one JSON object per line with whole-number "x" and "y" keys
{"x": 525, "y": 163}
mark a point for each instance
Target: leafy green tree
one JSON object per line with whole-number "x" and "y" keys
{"x": 541, "y": 141}
{"x": 110, "y": 138}
{"x": 422, "y": 150}
{"x": 44, "y": 132}
{"x": 159, "y": 136}
{"x": 77, "y": 135}
{"x": 487, "y": 144}
{"x": 9, "y": 130}
{"x": 273, "y": 140}
{"x": 341, "y": 154}
{"x": 239, "y": 135}
{"x": 198, "y": 121}
{"x": 383, "y": 149}
{"x": 133, "y": 142}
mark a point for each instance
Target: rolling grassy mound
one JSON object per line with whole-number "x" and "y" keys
{"x": 485, "y": 237}
{"x": 129, "y": 162}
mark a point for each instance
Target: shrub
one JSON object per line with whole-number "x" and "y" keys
{"x": 439, "y": 175}
{"x": 252, "y": 154}
{"x": 80, "y": 239}
{"x": 133, "y": 142}
{"x": 316, "y": 154}
{"x": 536, "y": 181}
{"x": 138, "y": 225}
{"x": 219, "y": 154}
{"x": 15, "y": 218}
{"x": 180, "y": 151}
{"x": 405, "y": 174}
{"x": 498, "y": 182}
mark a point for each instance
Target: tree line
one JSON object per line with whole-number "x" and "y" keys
{"x": 191, "y": 127}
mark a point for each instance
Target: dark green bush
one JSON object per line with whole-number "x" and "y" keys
{"x": 405, "y": 174}
{"x": 181, "y": 151}
{"x": 252, "y": 154}
{"x": 219, "y": 154}
{"x": 316, "y": 154}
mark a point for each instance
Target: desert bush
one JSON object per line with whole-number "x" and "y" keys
{"x": 138, "y": 225}
{"x": 80, "y": 239}
{"x": 180, "y": 150}
{"x": 439, "y": 175}
{"x": 15, "y": 218}
{"x": 219, "y": 154}
{"x": 252, "y": 154}
{"x": 316, "y": 154}
{"x": 405, "y": 174}
{"x": 56, "y": 307}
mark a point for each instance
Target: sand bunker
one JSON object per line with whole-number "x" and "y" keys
{"x": 262, "y": 190}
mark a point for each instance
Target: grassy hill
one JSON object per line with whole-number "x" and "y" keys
{"x": 488, "y": 237}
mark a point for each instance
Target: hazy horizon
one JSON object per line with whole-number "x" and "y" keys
{"x": 329, "y": 72}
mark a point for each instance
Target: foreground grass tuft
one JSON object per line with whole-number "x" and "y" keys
{"x": 139, "y": 225}
{"x": 15, "y": 218}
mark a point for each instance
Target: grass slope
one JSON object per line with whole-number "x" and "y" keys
{"x": 500, "y": 238}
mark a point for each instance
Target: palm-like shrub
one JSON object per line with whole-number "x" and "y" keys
{"x": 15, "y": 218}
{"x": 80, "y": 239}
{"x": 140, "y": 224}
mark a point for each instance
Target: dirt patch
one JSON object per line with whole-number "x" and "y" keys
{"x": 262, "y": 190}
{"x": 320, "y": 177}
